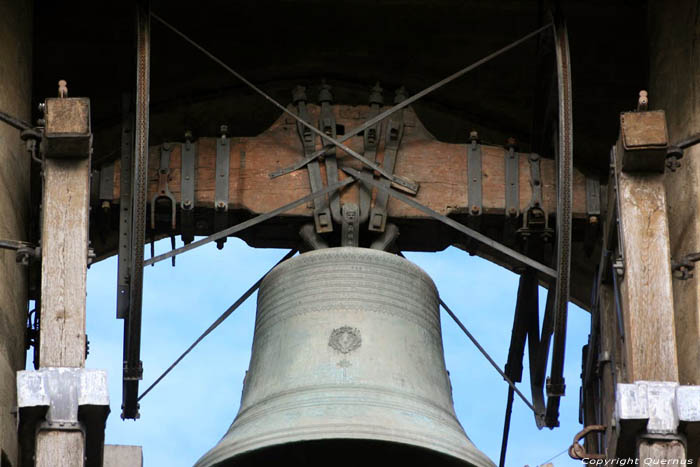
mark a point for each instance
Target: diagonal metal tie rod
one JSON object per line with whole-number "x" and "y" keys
{"x": 410, "y": 186}
{"x": 488, "y": 357}
{"x": 216, "y": 323}
{"x": 482, "y": 350}
{"x": 409, "y": 101}
{"x": 249, "y": 223}
{"x": 15, "y": 122}
{"x": 478, "y": 236}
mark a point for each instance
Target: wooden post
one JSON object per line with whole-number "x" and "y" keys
{"x": 645, "y": 286}
{"x": 64, "y": 255}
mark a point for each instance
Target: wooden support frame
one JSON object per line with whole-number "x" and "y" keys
{"x": 440, "y": 168}
{"x": 634, "y": 305}
{"x": 64, "y": 260}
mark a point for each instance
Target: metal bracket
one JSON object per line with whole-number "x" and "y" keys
{"x": 350, "y": 233}
{"x": 535, "y": 218}
{"x": 322, "y": 213}
{"x": 163, "y": 193}
{"x": 24, "y": 251}
{"x": 394, "y": 133}
{"x": 106, "y": 194}
{"x": 371, "y": 140}
{"x": 326, "y": 124}
{"x": 63, "y": 399}
{"x": 683, "y": 269}
{"x": 187, "y": 186}
{"x": 576, "y": 451}
{"x": 592, "y": 212}
{"x": 512, "y": 177}
{"x": 511, "y": 160}
{"x": 125, "y": 171}
{"x": 474, "y": 175}
{"x": 221, "y": 195}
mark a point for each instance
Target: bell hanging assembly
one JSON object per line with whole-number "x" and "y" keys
{"x": 347, "y": 367}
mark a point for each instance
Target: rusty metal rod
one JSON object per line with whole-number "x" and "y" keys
{"x": 410, "y": 100}
{"x": 15, "y": 122}
{"x": 216, "y": 323}
{"x": 407, "y": 184}
{"x": 488, "y": 357}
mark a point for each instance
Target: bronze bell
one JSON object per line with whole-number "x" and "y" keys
{"x": 347, "y": 367}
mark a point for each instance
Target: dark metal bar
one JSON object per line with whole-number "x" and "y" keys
{"x": 556, "y": 384}
{"x": 690, "y": 141}
{"x": 189, "y": 155}
{"x": 488, "y": 357}
{"x": 125, "y": 209}
{"x": 410, "y": 186}
{"x": 15, "y": 122}
{"x": 521, "y": 259}
{"x": 412, "y": 99}
{"x": 133, "y": 369}
{"x": 249, "y": 223}
{"x": 506, "y": 427}
{"x": 474, "y": 176}
{"x": 216, "y": 323}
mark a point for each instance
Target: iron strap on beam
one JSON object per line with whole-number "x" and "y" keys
{"x": 249, "y": 223}
{"x": 187, "y": 186}
{"x": 474, "y": 175}
{"x": 125, "y": 209}
{"x": 519, "y": 258}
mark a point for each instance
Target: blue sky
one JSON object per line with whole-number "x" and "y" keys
{"x": 189, "y": 411}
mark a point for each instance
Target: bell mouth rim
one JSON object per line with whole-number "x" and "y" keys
{"x": 470, "y": 454}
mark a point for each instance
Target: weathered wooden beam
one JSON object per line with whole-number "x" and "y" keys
{"x": 647, "y": 293}
{"x": 645, "y": 286}
{"x": 64, "y": 243}
{"x": 440, "y": 168}
{"x": 674, "y": 80}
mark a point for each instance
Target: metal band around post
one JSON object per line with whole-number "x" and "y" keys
{"x": 187, "y": 187}
{"x": 223, "y": 155}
